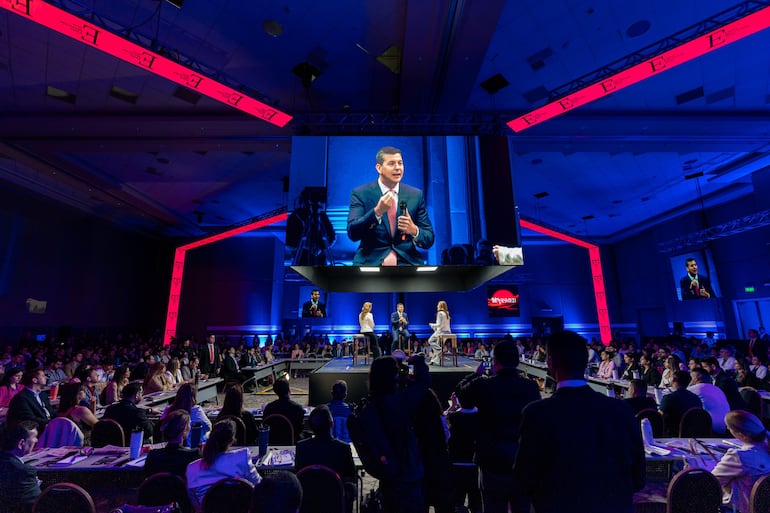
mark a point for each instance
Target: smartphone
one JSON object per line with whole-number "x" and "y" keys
{"x": 411, "y": 370}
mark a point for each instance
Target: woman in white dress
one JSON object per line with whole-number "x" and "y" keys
{"x": 366, "y": 322}
{"x": 440, "y": 327}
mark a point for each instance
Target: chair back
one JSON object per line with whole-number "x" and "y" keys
{"x": 281, "y": 429}
{"x": 164, "y": 488}
{"x": 107, "y": 432}
{"x": 240, "y": 428}
{"x": 753, "y": 401}
{"x": 229, "y": 495}
{"x": 694, "y": 490}
{"x": 340, "y": 429}
{"x": 655, "y": 418}
{"x": 64, "y": 498}
{"x": 61, "y": 432}
{"x": 759, "y": 500}
{"x": 322, "y": 490}
{"x": 695, "y": 423}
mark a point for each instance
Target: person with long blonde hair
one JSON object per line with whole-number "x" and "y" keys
{"x": 440, "y": 327}
{"x": 366, "y": 322}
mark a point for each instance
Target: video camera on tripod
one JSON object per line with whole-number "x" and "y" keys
{"x": 309, "y": 230}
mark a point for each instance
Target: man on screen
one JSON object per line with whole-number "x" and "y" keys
{"x": 314, "y": 308}
{"x": 694, "y": 285}
{"x": 388, "y": 217}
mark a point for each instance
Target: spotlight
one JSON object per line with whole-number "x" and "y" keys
{"x": 307, "y": 73}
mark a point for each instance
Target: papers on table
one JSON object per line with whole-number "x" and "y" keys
{"x": 70, "y": 460}
{"x": 278, "y": 457}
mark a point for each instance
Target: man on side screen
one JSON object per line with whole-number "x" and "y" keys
{"x": 575, "y": 435}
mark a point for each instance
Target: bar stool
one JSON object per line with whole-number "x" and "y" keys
{"x": 358, "y": 345}
{"x": 401, "y": 341}
{"x": 452, "y": 338}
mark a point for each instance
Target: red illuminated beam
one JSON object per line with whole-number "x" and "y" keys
{"x": 94, "y": 36}
{"x": 177, "y": 271}
{"x": 702, "y": 45}
{"x": 600, "y": 296}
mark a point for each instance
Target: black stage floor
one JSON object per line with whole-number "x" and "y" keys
{"x": 443, "y": 379}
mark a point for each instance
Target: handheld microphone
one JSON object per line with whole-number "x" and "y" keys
{"x": 402, "y": 212}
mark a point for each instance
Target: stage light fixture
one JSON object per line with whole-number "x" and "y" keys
{"x": 97, "y": 37}
{"x": 701, "y": 45}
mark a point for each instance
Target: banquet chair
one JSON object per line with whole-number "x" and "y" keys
{"x": 452, "y": 353}
{"x": 61, "y": 432}
{"x": 281, "y": 430}
{"x": 322, "y": 490}
{"x": 240, "y": 428}
{"x": 164, "y": 488}
{"x": 361, "y": 341}
{"x": 759, "y": 500}
{"x": 655, "y": 418}
{"x": 229, "y": 495}
{"x": 696, "y": 422}
{"x": 107, "y": 432}
{"x": 694, "y": 490}
{"x": 64, "y": 498}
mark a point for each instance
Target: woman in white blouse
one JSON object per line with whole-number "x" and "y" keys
{"x": 366, "y": 322}
{"x": 440, "y": 327}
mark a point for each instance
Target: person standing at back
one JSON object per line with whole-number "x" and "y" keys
{"x": 577, "y": 434}
{"x": 500, "y": 400}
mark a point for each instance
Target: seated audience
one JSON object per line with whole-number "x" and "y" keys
{"x": 606, "y": 367}
{"x": 632, "y": 369}
{"x": 174, "y": 457}
{"x": 650, "y": 374}
{"x": 191, "y": 370}
{"x": 219, "y": 462}
{"x": 185, "y": 400}
{"x": 726, "y": 359}
{"x": 758, "y": 368}
{"x": 31, "y": 403}
{"x": 712, "y": 398}
{"x": 126, "y": 412}
{"x": 112, "y": 390}
{"x": 54, "y": 372}
{"x": 70, "y": 397}
{"x": 278, "y": 492}
{"x": 19, "y": 484}
{"x": 230, "y": 369}
{"x": 637, "y": 396}
{"x": 340, "y": 410}
{"x": 174, "y": 372}
{"x": 323, "y": 449}
{"x": 286, "y": 407}
{"x": 673, "y": 405}
{"x": 233, "y": 405}
{"x": 739, "y": 469}
{"x": 743, "y": 375}
{"x": 157, "y": 380}
{"x": 725, "y": 382}
{"x": 10, "y": 386}
{"x": 670, "y": 366}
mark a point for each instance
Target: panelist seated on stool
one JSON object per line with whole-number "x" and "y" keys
{"x": 399, "y": 323}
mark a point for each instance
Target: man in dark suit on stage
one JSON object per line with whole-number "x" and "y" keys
{"x": 209, "y": 358}
{"x": 575, "y": 435}
{"x": 398, "y": 325}
{"x": 31, "y": 404}
{"x": 314, "y": 308}
{"x": 694, "y": 285}
{"x": 389, "y": 217}
{"x": 325, "y": 450}
{"x": 19, "y": 485}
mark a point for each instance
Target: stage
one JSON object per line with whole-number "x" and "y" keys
{"x": 443, "y": 379}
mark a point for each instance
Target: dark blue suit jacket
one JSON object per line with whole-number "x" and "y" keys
{"x": 376, "y": 241}
{"x": 689, "y": 293}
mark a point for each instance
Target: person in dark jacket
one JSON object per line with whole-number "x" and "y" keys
{"x": 174, "y": 457}
{"x": 126, "y": 412}
{"x": 19, "y": 485}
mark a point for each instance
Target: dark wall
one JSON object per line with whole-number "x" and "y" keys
{"x": 91, "y": 273}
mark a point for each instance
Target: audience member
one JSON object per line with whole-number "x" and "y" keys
{"x": 726, "y": 359}
{"x": 712, "y": 398}
{"x": 70, "y": 397}
{"x": 111, "y": 392}
{"x": 233, "y": 405}
{"x": 758, "y": 368}
{"x": 670, "y": 366}
{"x": 231, "y": 371}
{"x": 174, "y": 457}
{"x": 185, "y": 400}
{"x": 739, "y": 469}
{"x": 564, "y": 442}
{"x": 757, "y": 345}
{"x": 157, "y": 380}
{"x": 725, "y": 382}
{"x": 632, "y": 369}
{"x": 126, "y": 412}
{"x": 286, "y": 407}
{"x": 54, "y": 371}
{"x": 10, "y": 386}
{"x": 432, "y": 433}
{"x": 340, "y": 410}
{"x": 650, "y": 374}
{"x": 606, "y": 367}
{"x": 674, "y": 404}
{"x": 638, "y": 398}
{"x": 500, "y": 400}
{"x": 219, "y": 462}
{"x": 325, "y": 450}
{"x": 31, "y": 403}
{"x": 19, "y": 484}
{"x": 464, "y": 426}
{"x": 278, "y": 492}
